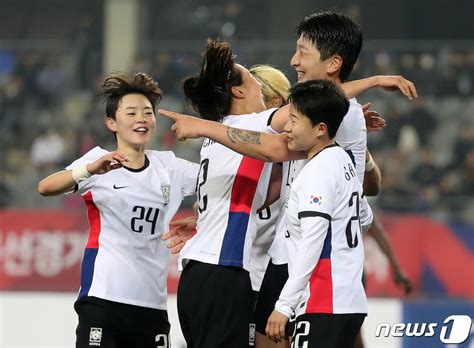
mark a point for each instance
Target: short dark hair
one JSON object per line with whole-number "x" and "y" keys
{"x": 333, "y": 33}
{"x": 118, "y": 85}
{"x": 209, "y": 92}
{"x": 320, "y": 101}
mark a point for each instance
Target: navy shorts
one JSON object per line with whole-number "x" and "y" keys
{"x": 273, "y": 282}
{"x": 109, "y": 324}
{"x": 326, "y": 330}
{"x": 214, "y": 306}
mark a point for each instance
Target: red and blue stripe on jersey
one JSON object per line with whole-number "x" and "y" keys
{"x": 320, "y": 284}
{"x": 242, "y": 195}
{"x": 92, "y": 247}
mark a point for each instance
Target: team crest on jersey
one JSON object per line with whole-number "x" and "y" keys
{"x": 95, "y": 336}
{"x": 252, "y": 335}
{"x": 165, "y": 191}
{"x": 316, "y": 200}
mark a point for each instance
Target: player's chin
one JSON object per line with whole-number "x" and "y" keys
{"x": 295, "y": 146}
{"x": 143, "y": 137}
{"x": 140, "y": 141}
{"x": 291, "y": 145}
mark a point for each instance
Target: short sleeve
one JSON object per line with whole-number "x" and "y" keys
{"x": 189, "y": 173}
{"x": 260, "y": 122}
{"x": 366, "y": 215}
{"x": 352, "y": 137}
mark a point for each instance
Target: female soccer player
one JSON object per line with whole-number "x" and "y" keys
{"x": 226, "y": 222}
{"x": 325, "y": 216}
{"x": 275, "y": 90}
{"x": 130, "y": 194}
{"x": 214, "y": 293}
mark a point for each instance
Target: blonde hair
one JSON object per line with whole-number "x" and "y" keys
{"x": 274, "y": 84}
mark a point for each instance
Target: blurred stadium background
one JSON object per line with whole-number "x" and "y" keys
{"x": 54, "y": 53}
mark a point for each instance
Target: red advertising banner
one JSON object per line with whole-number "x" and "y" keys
{"x": 438, "y": 258}
{"x": 41, "y": 250}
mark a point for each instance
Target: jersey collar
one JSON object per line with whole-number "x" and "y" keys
{"x": 324, "y": 148}
{"x": 136, "y": 170}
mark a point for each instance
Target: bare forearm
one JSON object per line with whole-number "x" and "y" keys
{"x": 357, "y": 87}
{"x": 274, "y": 187}
{"x": 57, "y": 183}
{"x": 267, "y": 147}
{"x": 372, "y": 181}
{"x": 372, "y": 176}
{"x": 262, "y": 146}
{"x": 388, "y": 83}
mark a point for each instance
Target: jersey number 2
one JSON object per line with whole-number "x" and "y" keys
{"x": 202, "y": 198}
{"x": 352, "y": 242}
{"x": 300, "y": 335}
{"x": 162, "y": 341}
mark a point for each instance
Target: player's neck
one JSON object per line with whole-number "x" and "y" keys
{"x": 336, "y": 79}
{"x": 242, "y": 107}
{"x": 318, "y": 147}
{"x": 136, "y": 156}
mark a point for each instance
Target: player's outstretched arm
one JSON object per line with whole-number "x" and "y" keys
{"x": 66, "y": 180}
{"x": 386, "y": 82}
{"x": 262, "y": 146}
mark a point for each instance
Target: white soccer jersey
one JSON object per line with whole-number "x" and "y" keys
{"x": 231, "y": 188}
{"x": 278, "y": 250}
{"x": 325, "y": 210}
{"x": 259, "y": 256}
{"x": 352, "y": 137}
{"x": 128, "y": 210}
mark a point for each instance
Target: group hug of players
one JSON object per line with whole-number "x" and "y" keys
{"x": 275, "y": 256}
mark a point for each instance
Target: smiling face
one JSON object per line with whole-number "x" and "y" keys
{"x": 302, "y": 136}
{"x": 134, "y": 122}
{"x": 307, "y": 61}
